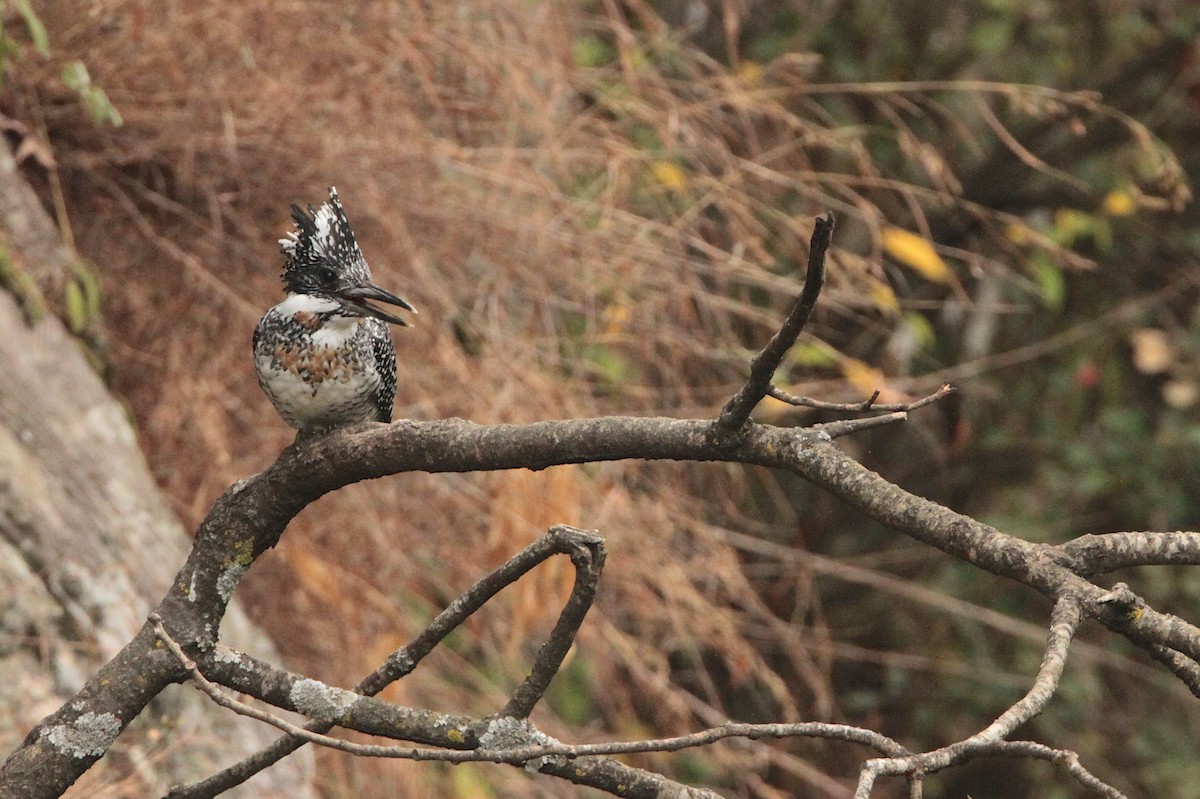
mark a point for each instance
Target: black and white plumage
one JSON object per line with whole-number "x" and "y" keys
{"x": 324, "y": 355}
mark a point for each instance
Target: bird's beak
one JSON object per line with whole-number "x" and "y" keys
{"x": 356, "y": 299}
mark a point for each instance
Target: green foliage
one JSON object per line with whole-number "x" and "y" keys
{"x": 591, "y": 51}
{"x": 33, "y": 26}
{"x": 22, "y": 286}
{"x": 102, "y": 112}
{"x": 570, "y": 695}
{"x": 1050, "y": 280}
{"x": 82, "y": 298}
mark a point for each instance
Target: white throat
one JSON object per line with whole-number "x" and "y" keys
{"x": 305, "y": 303}
{"x": 332, "y": 333}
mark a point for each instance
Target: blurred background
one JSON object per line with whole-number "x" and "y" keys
{"x": 604, "y": 207}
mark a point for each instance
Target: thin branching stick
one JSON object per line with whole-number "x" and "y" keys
{"x": 762, "y": 368}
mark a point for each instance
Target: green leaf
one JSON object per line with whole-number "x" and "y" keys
{"x": 1052, "y": 286}
{"x": 814, "y": 354}
{"x": 921, "y": 329}
{"x": 592, "y": 51}
{"x": 37, "y": 31}
{"x": 102, "y": 111}
{"x": 992, "y": 35}
{"x": 77, "y": 315}
{"x": 90, "y": 288}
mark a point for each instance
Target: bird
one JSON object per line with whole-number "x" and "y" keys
{"x": 324, "y": 356}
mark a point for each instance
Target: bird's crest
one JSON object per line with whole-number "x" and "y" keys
{"x": 322, "y": 238}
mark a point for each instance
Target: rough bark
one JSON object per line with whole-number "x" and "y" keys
{"x": 87, "y": 543}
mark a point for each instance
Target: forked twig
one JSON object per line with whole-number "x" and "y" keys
{"x": 762, "y": 368}
{"x": 1064, "y": 621}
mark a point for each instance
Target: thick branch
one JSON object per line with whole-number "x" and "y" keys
{"x": 737, "y": 411}
{"x": 1091, "y": 555}
{"x": 248, "y": 519}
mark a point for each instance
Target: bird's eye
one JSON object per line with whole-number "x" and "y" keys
{"x": 326, "y": 275}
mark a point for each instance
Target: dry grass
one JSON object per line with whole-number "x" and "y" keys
{"x": 578, "y": 241}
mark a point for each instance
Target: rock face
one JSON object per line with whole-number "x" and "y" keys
{"x": 88, "y": 545}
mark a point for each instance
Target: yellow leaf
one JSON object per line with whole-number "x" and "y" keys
{"x": 921, "y": 329}
{"x": 883, "y": 298}
{"x": 1017, "y": 232}
{"x": 670, "y": 175}
{"x": 1119, "y": 203}
{"x": 865, "y": 378}
{"x": 616, "y": 315}
{"x": 751, "y": 73}
{"x": 916, "y": 252}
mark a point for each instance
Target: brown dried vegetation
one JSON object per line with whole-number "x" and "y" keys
{"x": 578, "y": 241}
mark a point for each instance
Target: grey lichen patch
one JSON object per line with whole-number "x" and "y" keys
{"x": 237, "y": 565}
{"x": 506, "y": 732}
{"x": 230, "y": 578}
{"x": 320, "y": 701}
{"x": 230, "y": 656}
{"x": 90, "y": 735}
{"x": 401, "y": 664}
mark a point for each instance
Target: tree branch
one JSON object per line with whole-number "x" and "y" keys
{"x": 1091, "y": 555}
{"x": 543, "y": 754}
{"x": 504, "y": 739}
{"x": 248, "y": 519}
{"x": 846, "y": 426}
{"x": 235, "y": 670}
{"x": 1065, "y": 619}
{"x": 868, "y": 404}
{"x": 588, "y": 559}
{"x": 737, "y": 411}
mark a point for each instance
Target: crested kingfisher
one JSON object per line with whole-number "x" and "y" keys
{"x": 324, "y": 355}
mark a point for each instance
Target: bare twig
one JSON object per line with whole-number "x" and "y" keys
{"x": 845, "y": 426}
{"x": 1059, "y": 757}
{"x": 868, "y": 404}
{"x": 588, "y": 559}
{"x": 763, "y": 366}
{"x": 1065, "y": 619}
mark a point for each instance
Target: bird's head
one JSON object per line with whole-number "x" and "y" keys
{"x": 322, "y": 259}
